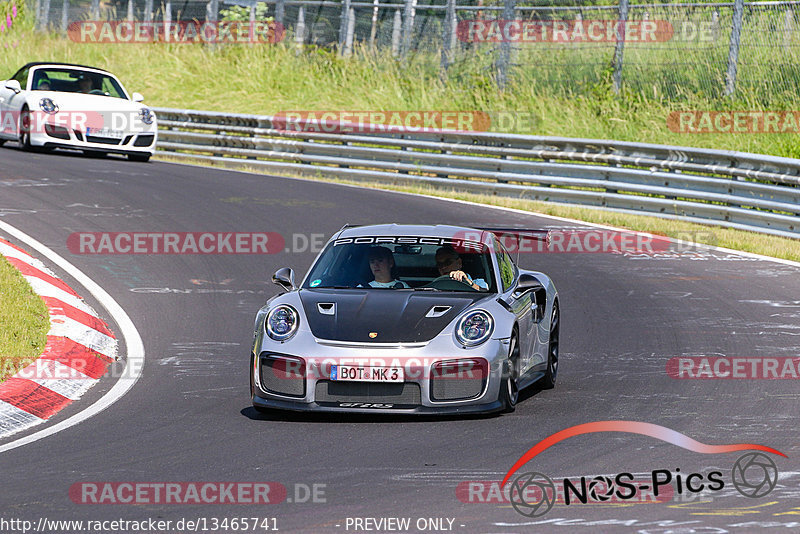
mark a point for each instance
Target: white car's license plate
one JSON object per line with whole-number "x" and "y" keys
{"x": 105, "y": 132}
{"x": 366, "y": 373}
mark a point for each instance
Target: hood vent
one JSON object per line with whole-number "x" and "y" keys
{"x": 438, "y": 311}
{"x": 327, "y": 308}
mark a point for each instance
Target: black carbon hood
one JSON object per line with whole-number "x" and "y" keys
{"x": 395, "y": 316}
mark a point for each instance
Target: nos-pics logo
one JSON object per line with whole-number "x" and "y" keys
{"x": 533, "y": 494}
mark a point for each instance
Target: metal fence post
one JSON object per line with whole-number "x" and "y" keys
{"x": 64, "y": 16}
{"x": 448, "y": 33}
{"x": 212, "y": 10}
{"x": 620, "y": 46}
{"x": 148, "y": 10}
{"x": 351, "y": 28}
{"x": 130, "y": 11}
{"x": 95, "y": 9}
{"x": 396, "y": 29}
{"x": 505, "y": 46}
{"x": 733, "y": 51}
{"x": 343, "y": 23}
{"x": 44, "y": 18}
{"x": 788, "y": 18}
{"x": 300, "y": 29}
{"x": 374, "y": 28}
{"x": 408, "y": 27}
{"x": 280, "y": 11}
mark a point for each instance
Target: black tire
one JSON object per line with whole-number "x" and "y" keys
{"x": 2, "y": 142}
{"x": 24, "y": 130}
{"x": 509, "y": 389}
{"x": 94, "y": 154}
{"x": 144, "y": 158}
{"x": 549, "y": 379}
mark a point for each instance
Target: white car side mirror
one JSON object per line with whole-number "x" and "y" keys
{"x": 13, "y": 85}
{"x": 137, "y": 97}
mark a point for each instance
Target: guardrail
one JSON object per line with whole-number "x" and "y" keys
{"x": 735, "y": 189}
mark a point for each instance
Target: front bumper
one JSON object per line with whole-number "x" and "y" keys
{"x": 295, "y": 406}
{"x": 76, "y": 140}
{"x": 416, "y": 395}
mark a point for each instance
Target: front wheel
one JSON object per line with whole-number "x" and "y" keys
{"x": 509, "y": 388}
{"x": 549, "y": 379}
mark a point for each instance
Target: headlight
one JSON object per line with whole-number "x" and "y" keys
{"x": 281, "y": 323}
{"x": 474, "y": 328}
{"x": 146, "y": 115}
{"x": 48, "y": 106}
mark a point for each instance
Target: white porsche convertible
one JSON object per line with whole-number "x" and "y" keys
{"x": 58, "y": 105}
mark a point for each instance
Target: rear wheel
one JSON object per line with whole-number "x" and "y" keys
{"x": 25, "y": 130}
{"x": 549, "y": 380}
{"x": 509, "y": 389}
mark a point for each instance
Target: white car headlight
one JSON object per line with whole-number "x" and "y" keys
{"x": 474, "y": 328}
{"x": 282, "y": 322}
{"x": 48, "y": 106}
{"x": 146, "y": 115}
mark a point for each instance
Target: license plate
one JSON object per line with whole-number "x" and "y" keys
{"x": 366, "y": 373}
{"x": 105, "y": 132}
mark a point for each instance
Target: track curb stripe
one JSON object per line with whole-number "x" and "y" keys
{"x": 79, "y": 348}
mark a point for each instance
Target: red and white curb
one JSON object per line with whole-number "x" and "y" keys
{"x": 79, "y": 349}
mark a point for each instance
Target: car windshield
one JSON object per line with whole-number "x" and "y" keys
{"x": 67, "y": 80}
{"x": 410, "y": 263}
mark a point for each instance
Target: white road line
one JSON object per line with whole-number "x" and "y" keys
{"x": 133, "y": 343}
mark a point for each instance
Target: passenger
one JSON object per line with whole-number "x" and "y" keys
{"x": 44, "y": 85}
{"x": 381, "y": 263}
{"x": 449, "y": 262}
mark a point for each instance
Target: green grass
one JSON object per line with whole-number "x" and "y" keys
{"x": 24, "y": 321}
{"x": 265, "y": 79}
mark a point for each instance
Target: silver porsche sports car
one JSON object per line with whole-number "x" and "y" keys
{"x": 406, "y": 319}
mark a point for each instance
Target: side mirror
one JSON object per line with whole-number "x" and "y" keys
{"x": 527, "y": 283}
{"x": 137, "y": 97}
{"x": 13, "y": 85}
{"x": 285, "y": 278}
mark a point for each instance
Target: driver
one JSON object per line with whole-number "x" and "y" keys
{"x": 381, "y": 263}
{"x": 448, "y": 261}
{"x": 44, "y": 85}
{"x": 84, "y": 84}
